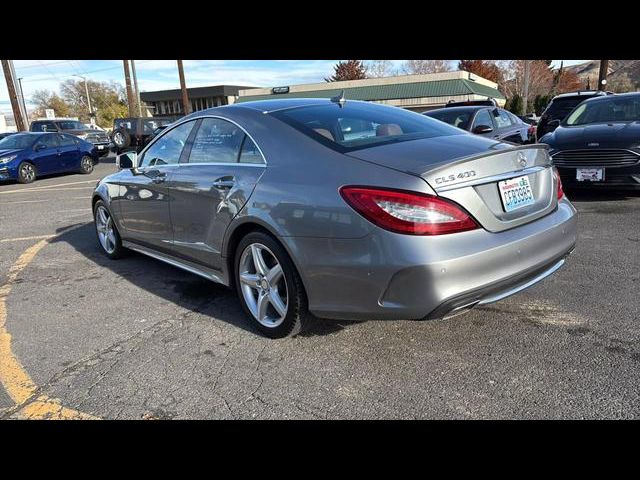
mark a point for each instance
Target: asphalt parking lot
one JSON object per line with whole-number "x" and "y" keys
{"x": 85, "y": 337}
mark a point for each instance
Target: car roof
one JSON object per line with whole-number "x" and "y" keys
{"x": 583, "y": 93}
{"x": 458, "y": 109}
{"x": 601, "y": 98}
{"x": 285, "y": 103}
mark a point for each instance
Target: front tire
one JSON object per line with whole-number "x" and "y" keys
{"x": 26, "y": 172}
{"x": 269, "y": 287}
{"x": 107, "y": 232}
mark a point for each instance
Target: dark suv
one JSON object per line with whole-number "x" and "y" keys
{"x": 134, "y": 133}
{"x": 99, "y": 139}
{"x": 560, "y": 106}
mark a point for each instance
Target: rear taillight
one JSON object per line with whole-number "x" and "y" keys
{"x": 408, "y": 212}
{"x": 559, "y": 183}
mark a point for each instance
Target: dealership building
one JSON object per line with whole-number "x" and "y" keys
{"x": 414, "y": 92}
{"x": 168, "y": 103}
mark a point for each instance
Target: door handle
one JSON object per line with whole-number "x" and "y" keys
{"x": 224, "y": 183}
{"x": 159, "y": 177}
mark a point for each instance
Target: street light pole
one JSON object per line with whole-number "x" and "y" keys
{"x": 186, "y": 107}
{"x": 127, "y": 81}
{"x": 86, "y": 89}
{"x": 135, "y": 86}
{"x": 602, "y": 76}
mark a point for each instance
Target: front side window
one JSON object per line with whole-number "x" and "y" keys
{"x": 455, "y": 117}
{"x": 168, "y": 148}
{"x": 483, "y": 118}
{"x": 611, "y": 109}
{"x": 357, "y": 125}
{"x": 49, "y": 141}
{"x": 217, "y": 141}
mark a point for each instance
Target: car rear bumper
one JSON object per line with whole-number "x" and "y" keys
{"x": 392, "y": 276}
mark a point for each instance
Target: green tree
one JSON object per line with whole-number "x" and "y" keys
{"x": 515, "y": 105}
{"x": 107, "y": 100}
{"x": 45, "y": 99}
{"x": 349, "y": 70}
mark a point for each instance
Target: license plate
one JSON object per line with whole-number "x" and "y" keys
{"x": 590, "y": 174}
{"x": 516, "y": 193}
{"x": 100, "y": 147}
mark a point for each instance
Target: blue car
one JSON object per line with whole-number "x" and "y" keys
{"x": 25, "y": 156}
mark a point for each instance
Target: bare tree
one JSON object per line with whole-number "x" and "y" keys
{"x": 620, "y": 83}
{"x": 348, "y": 70}
{"x": 380, "y": 68}
{"x": 414, "y": 67}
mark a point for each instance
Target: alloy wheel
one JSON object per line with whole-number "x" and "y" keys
{"x": 86, "y": 164}
{"x": 263, "y": 285}
{"x": 104, "y": 226}
{"x": 28, "y": 172}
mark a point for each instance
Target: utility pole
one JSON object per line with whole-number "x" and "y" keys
{"x": 127, "y": 80}
{"x": 86, "y": 89}
{"x": 525, "y": 90}
{"x": 9, "y": 75}
{"x": 24, "y": 105}
{"x": 135, "y": 86}
{"x": 183, "y": 87}
{"x": 602, "y": 77}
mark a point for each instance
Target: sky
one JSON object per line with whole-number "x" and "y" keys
{"x": 162, "y": 74}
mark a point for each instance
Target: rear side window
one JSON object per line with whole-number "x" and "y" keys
{"x": 455, "y": 117}
{"x": 67, "y": 140}
{"x": 250, "y": 153}
{"x": 357, "y": 125}
{"x": 44, "y": 127}
{"x": 49, "y": 141}
{"x": 168, "y": 148}
{"x": 217, "y": 141}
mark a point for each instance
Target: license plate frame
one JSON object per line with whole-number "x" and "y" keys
{"x": 590, "y": 174}
{"x": 516, "y": 193}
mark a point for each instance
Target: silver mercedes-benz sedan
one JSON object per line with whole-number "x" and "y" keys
{"x": 343, "y": 209}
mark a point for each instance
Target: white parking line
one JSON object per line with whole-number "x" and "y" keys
{"x": 45, "y": 190}
{"x": 26, "y": 201}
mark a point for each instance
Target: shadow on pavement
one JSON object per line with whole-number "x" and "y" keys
{"x": 177, "y": 286}
{"x": 586, "y": 195}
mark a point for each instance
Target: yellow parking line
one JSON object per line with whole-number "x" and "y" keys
{"x": 14, "y": 378}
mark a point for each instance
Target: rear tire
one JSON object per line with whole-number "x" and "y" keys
{"x": 107, "y": 232}
{"x": 26, "y": 172}
{"x": 86, "y": 164}
{"x": 272, "y": 281}
{"x": 121, "y": 139}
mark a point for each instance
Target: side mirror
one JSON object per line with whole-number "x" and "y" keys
{"x": 553, "y": 124}
{"x": 127, "y": 160}
{"x": 480, "y": 129}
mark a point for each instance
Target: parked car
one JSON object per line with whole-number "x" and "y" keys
{"x": 598, "y": 143}
{"x": 410, "y": 218}
{"x": 99, "y": 139}
{"x": 135, "y": 132}
{"x": 487, "y": 121}
{"x": 560, "y": 106}
{"x": 25, "y": 156}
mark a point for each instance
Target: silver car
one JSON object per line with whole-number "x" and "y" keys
{"x": 343, "y": 209}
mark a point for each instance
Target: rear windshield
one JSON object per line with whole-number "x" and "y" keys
{"x": 358, "y": 125}
{"x": 457, "y": 118}
{"x": 71, "y": 125}
{"x": 612, "y": 109}
{"x": 561, "y": 107}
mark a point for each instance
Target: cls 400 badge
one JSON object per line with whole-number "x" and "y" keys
{"x": 453, "y": 177}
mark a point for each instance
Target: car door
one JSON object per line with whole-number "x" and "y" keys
{"x": 46, "y": 156}
{"x": 208, "y": 191}
{"x": 69, "y": 152}
{"x": 144, "y": 202}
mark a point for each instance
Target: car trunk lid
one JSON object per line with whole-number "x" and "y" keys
{"x": 470, "y": 176}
